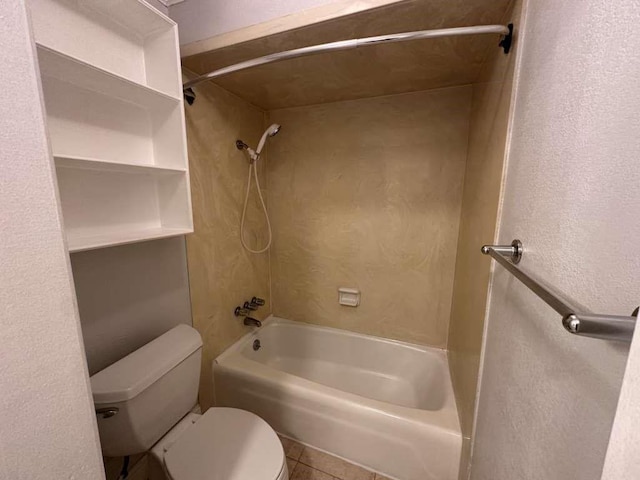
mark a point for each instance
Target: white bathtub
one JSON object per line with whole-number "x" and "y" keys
{"x": 385, "y": 405}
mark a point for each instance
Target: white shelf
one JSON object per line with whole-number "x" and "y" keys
{"x": 90, "y": 77}
{"x": 102, "y": 200}
{"x": 111, "y": 81}
{"x": 90, "y": 124}
{"x": 80, "y": 243}
{"x": 68, "y": 161}
{"x": 128, "y": 38}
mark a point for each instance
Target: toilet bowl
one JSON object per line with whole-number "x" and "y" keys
{"x": 222, "y": 444}
{"x": 143, "y": 404}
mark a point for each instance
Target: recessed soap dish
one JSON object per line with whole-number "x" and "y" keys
{"x": 349, "y": 297}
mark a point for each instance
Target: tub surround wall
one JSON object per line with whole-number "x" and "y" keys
{"x": 484, "y": 173}
{"x": 221, "y": 273}
{"x": 367, "y": 194}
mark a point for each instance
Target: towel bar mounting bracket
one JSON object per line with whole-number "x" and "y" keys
{"x": 507, "y": 40}
{"x": 575, "y": 321}
{"x": 513, "y": 252}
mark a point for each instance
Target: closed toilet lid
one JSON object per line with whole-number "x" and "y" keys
{"x": 226, "y": 444}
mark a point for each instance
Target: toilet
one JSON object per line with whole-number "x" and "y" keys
{"x": 145, "y": 403}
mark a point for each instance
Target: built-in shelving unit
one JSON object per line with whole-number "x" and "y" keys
{"x": 111, "y": 82}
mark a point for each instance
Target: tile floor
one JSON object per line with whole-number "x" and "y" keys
{"x": 306, "y": 463}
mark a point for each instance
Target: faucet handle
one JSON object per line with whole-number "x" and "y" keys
{"x": 258, "y": 301}
{"x": 250, "y": 306}
{"x": 241, "y": 312}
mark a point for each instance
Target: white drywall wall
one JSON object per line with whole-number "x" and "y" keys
{"x": 200, "y": 19}
{"x": 48, "y": 427}
{"x": 129, "y": 295}
{"x": 547, "y": 398}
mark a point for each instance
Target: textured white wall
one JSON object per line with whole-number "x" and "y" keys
{"x": 48, "y": 427}
{"x": 547, "y": 398}
{"x": 200, "y": 19}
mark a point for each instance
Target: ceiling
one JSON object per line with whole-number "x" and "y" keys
{"x": 364, "y": 72}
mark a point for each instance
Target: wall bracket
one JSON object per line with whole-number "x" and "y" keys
{"x": 506, "y": 41}
{"x": 189, "y": 95}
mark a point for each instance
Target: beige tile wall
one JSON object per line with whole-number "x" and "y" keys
{"x": 367, "y": 194}
{"x": 483, "y": 178}
{"x": 221, "y": 273}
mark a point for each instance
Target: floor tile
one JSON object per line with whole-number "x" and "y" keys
{"x": 292, "y": 449}
{"x": 304, "y": 472}
{"x": 334, "y": 466}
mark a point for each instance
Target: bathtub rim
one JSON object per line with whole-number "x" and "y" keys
{"x": 274, "y": 320}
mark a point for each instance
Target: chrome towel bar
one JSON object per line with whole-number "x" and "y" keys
{"x": 606, "y": 327}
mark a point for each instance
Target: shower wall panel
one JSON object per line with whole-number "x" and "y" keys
{"x": 221, "y": 273}
{"x": 367, "y": 194}
{"x": 481, "y": 198}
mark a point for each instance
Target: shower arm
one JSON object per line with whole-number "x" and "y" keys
{"x": 505, "y": 30}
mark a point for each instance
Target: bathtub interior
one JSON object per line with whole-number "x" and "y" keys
{"x": 394, "y": 372}
{"x": 385, "y": 405}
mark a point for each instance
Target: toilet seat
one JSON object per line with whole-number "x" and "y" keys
{"x": 226, "y": 444}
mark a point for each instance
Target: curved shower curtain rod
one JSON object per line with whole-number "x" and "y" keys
{"x": 505, "y": 43}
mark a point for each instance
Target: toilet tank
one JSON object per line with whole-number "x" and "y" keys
{"x": 141, "y": 397}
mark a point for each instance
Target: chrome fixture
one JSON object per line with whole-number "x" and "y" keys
{"x": 607, "y": 327}
{"x": 513, "y": 251}
{"x": 256, "y": 344}
{"x": 240, "y": 145}
{"x": 241, "y": 312}
{"x": 107, "y": 412}
{"x": 252, "y": 322}
{"x": 189, "y": 95}
{"x": 506, "y": 31}
{"x": 258, "y": 301}
{"x": 250, "y": 306}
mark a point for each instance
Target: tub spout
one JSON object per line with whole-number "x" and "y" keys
{"x": 252, "y": 322}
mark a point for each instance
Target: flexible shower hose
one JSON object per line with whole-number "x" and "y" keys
{"x": 254, "y": 166}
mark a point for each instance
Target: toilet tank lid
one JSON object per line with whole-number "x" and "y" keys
{"x": 128, "y": 377}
